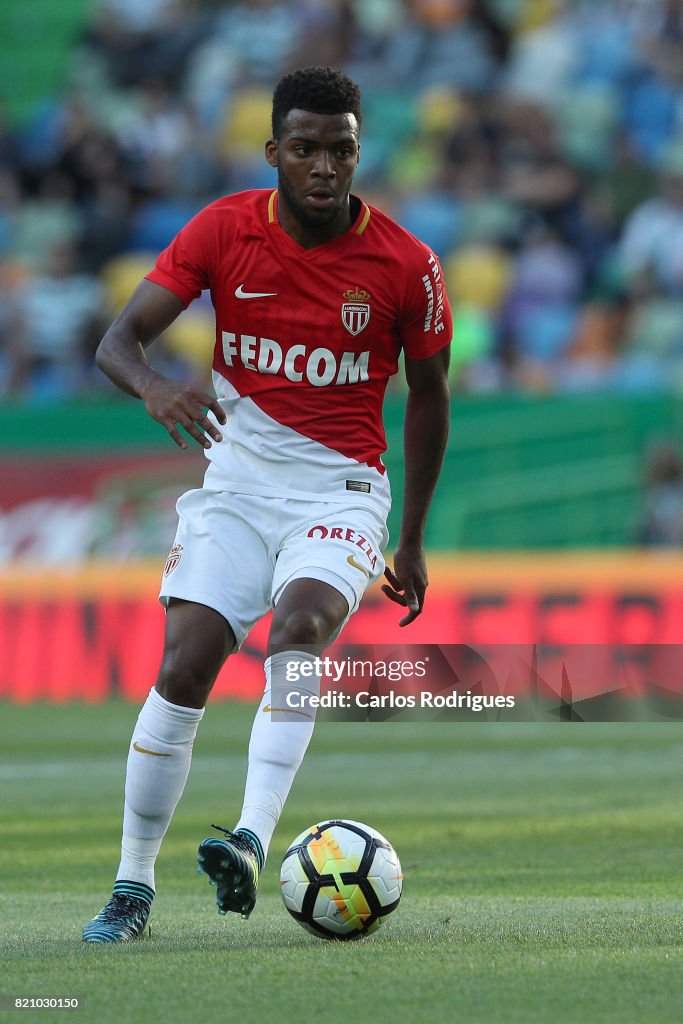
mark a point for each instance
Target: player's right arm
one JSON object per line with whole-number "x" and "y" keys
{"x": 121, "y": 356}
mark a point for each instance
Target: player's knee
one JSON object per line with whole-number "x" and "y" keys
{"x": 302, "y": 626}
{"x": 184, "y": 684}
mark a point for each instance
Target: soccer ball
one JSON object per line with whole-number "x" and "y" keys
{"x": 340, "y": 878}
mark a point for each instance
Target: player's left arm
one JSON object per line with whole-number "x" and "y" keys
{"x": 425, "y": 435}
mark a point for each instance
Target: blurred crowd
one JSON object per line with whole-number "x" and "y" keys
{"x": 536, "y": 145}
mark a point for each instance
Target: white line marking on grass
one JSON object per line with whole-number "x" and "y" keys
{"x": 55, "y": 769}
{"x": 110, "y": 766}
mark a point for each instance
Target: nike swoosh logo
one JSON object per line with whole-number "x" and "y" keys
{"x": 241, "y": 294}
{"x": 287, "y": 711}
{"x": 153, "y": 753}
{"x": 352, "y": 561}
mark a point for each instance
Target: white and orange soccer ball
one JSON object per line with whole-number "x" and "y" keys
{"x": 339, "y": 879}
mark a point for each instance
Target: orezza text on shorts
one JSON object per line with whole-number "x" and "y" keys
{"x": 345, "y": 534}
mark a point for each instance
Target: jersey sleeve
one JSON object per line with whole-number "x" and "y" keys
{"x": 185, "y": 266}
{"x": 426, "y": 323}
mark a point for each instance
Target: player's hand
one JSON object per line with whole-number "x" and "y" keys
{"x": 407, "y": 582}
{"x": 174, "y": 405}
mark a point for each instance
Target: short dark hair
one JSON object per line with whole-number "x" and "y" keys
{"x": 317, "y": 89}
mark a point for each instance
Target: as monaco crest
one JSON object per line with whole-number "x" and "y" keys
{"x": 175, "y": 554}
{"x": 355, "y": 313}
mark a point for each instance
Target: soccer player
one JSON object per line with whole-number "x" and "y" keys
{"x": 315, "y": 294}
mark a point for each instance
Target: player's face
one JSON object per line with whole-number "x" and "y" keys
{"x": 316, "y": 157}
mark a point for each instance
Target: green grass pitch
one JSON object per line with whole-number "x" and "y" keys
{"x": 543, "y": 875}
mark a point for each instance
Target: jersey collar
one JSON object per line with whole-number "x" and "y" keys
{"x": 357, "y": 228}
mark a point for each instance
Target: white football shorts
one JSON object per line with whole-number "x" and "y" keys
{"x": 236, "y": 553}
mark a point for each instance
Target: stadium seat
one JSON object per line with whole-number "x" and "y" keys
{"x": 650, "y": 116}
{"x": 156, "y": 223}
{"x": 247, "y": 124}
{"x": 478, "y": 275}
{"x": 588, "y": 118}
{"x": 35, "y": 41}
{"x": 246, "y": 172}
{"x": 122, "y": 275}
{"x": 532, "y": 14}
{"x": 473, "y": 338}
{"x": 657, "y": 327}
{"x": 643, "y": 373}
{"x": 490, "y": 219}
{"x": 545, "y": 331}
{"x": 438, "y": 109}
{"x": 192, "y": 337}
{"x": 606, "y": 54}
{"x": 390, "y": 119}
{"x": 435, "y": 217}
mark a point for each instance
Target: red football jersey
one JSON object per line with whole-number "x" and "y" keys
{"x": 306, "y": 340}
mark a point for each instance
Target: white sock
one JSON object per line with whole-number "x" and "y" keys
{"x": 276, "y": 749}
{"x": 158, "y": 766}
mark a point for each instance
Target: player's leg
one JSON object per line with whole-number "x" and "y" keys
{"x": 197, "y": 642}
{"x": 306, "y": 619}
{"x": 323, "y": 568}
